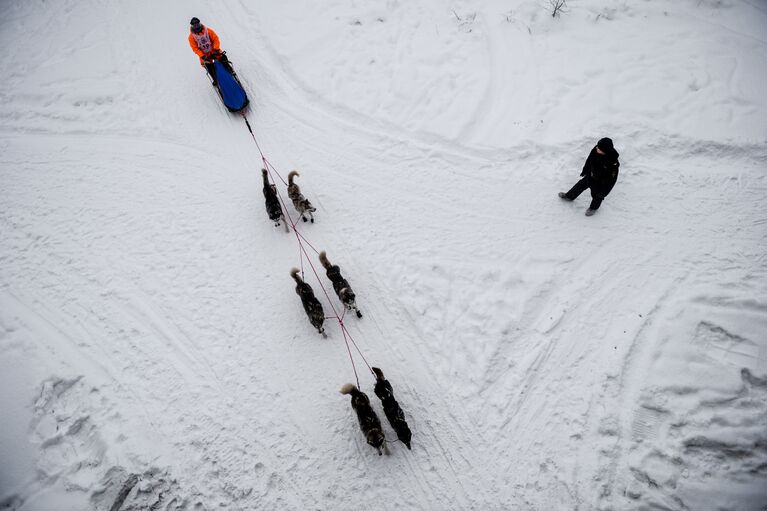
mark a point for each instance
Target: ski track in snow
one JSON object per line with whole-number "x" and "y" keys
{"x": 543, "y": 360}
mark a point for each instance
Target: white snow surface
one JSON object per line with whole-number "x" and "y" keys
{"x": 151, "y": 342}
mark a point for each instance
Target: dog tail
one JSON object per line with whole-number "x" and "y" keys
{"x": 349, "y": 388}
{"x": 324, "y": 260}
{"x": 294, "y": 273}
{"x": 266, "y": 176}
{"x": 292, "y": 174}
{"x": 378, "y": 373}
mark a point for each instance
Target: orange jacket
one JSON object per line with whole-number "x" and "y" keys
{"x": 208, "y": 33}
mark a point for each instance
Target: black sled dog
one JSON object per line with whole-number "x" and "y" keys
{"x": 273, "y": 208}
{"x": 391, "y": 408}
{"x": 312, "y": 306}
{"x": 300, "y": 202}
{"x": 369, "y": 423}
{"x": 340, "y": 285}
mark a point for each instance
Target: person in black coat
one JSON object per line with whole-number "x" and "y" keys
{"x": 600, "y": 172}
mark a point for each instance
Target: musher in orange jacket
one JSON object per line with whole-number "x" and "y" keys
{"x": 204, "y": 42}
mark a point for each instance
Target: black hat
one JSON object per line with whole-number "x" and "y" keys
{"x": 196, "y": 26}
{"x": 605, "y": 144}
{"x": 195, "y": 21}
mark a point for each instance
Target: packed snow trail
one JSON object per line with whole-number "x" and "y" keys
{"x": 149, "y": 327}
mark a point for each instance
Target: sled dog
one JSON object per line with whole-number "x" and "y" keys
{"x": 391, "y": 407}
{"x": 340, "y": 285}
{"x": 312, "y": 306}
{"x": 300, "y": 202}
{"x": 366, "y": 416}
{"x": 273, "y": 208}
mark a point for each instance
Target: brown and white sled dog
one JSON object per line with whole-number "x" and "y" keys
{"x": 312, "y": 306}
{"x": 273, "y": 208}
{"x": 340, "y": 285}
{"x": 366, "y": 416}
{"x": 300, "y": 202}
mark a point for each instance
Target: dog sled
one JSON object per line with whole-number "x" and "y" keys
{"x": 229, "y": 87}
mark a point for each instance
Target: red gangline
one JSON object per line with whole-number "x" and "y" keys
{"x": 356, "y": 377}
{"x": 307, "y": 242}
{"x": 343, "y": 327}
{"x": 301, "y": 257}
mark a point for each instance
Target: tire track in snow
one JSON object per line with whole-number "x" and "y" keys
{"x": 626, "y": 384}
{"x": 549, "y": 378}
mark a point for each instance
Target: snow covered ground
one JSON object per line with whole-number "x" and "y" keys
{"x": 153, "y": 353}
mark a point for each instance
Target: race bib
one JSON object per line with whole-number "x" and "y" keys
{"x": 203, "y": 42}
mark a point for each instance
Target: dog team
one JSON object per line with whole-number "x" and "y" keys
{"x": 366, "y": 416}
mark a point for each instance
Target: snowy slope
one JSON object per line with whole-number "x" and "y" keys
{"x": 150, "y": 337}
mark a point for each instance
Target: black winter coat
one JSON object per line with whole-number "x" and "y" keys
{"x": 602, "y": 171}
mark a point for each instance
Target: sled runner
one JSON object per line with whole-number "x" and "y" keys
{"x": 229, "y": 87}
